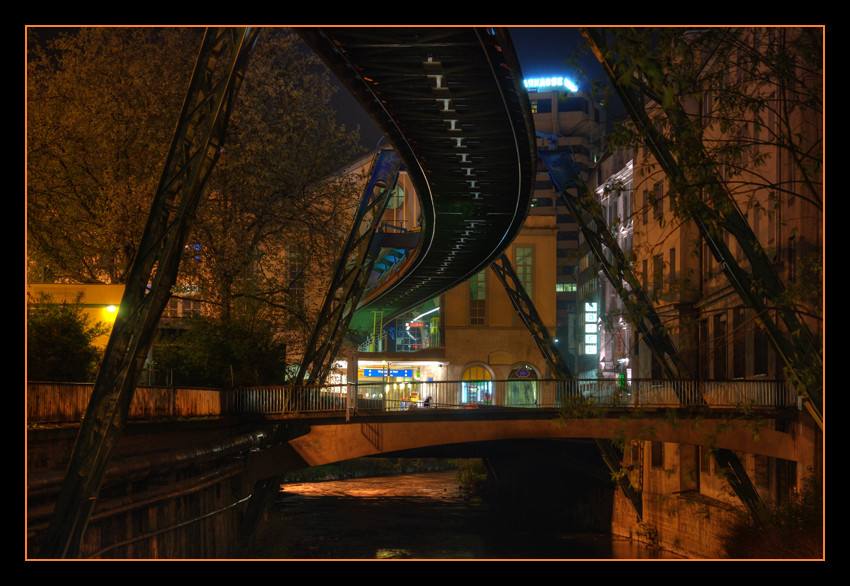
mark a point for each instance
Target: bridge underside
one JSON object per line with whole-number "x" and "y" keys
{"x": 450, "y": 102}
{"x": 375, "y": 436}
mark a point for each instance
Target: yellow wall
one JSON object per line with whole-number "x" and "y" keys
{"x": 504, "y": 341}
{"x": 99, "y": 302}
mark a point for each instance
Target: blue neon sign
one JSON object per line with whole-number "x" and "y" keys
{"x": 557, "y": 82}
{"x": 381, "y": 372}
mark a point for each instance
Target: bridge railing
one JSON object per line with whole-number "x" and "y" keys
{"x": 66, "y": 402}
{"x": 49, "y": 402}
{"x": 404, "y": 396}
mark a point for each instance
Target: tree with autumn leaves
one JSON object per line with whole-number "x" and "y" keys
{"x": 101, "y": 107}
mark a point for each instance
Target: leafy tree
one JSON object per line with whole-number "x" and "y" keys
{"x": 60, "y": 342}
{"x": 101, "y": 106}
{"x": 732, "y": 119}
{"x": 210, "y": 352}
{"x": 277, "y": 205}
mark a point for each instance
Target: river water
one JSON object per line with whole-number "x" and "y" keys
{"x": 422, "y": 516}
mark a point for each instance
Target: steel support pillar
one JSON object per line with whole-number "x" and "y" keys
{"x": 639, "y": 307}
{"x": 527, "y": 312}
{"x": 346, "y": 287}
{"x": 614, "y": 264}
{"x": 195, "y": 147}
{"x": 761, "y": 290}
{"x": 352, "y": 272}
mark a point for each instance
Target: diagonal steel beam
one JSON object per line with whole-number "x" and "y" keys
{"x": 797, "y": 349}
{"x": 527, "y": 312}
{"x": 639, "y": 307}
{"x": 591, "y": 221}
{"x": 344, "y": 292}
{"x": 197, "y": 141}
{"x": 352, "y": 272}
{"x": 529, "y": 316}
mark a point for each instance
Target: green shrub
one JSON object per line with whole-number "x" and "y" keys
{"x": 60, "y": 342}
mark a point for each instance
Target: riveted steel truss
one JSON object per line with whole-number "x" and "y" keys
{"x": 525, "y": 308}
{"x": 352, "y": 272}
{"x": 614, "y": 265}
{"x": 195, "y": 148}
{"x": 640, "y": 310}
{"x": 761, "y": 289}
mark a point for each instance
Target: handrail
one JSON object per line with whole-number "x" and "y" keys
{"x": 65, "y": 402}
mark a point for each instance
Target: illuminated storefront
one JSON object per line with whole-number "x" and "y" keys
{"x": 476, "y": 386}
{"x": 522, "y": 389}
{"x": 402, "y": 385}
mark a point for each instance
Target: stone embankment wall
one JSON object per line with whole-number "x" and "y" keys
{"x": 687, "y": 526}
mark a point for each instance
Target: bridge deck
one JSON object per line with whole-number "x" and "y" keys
{"x": 450, "y": 102}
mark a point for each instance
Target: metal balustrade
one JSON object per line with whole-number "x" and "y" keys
{"x": 551, "y": 394}
{"x": 54, "y": 402}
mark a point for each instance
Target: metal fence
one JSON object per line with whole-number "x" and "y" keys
{"x": 55, "y": 402}
{"x": 404, "y": 396}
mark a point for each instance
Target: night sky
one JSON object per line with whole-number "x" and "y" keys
{"x": 542, "y": 51}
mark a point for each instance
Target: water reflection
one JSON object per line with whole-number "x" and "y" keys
{"x": 416, "y": 516}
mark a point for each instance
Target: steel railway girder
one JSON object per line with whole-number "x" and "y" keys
{"x": 525, "y": 308}
{"x": 450, "y": 102}
{"x": 352, "y": 272}
{"x": 195, "y": 147}
{"x": 591, "y": 221}
{"x": 640, "y": 309}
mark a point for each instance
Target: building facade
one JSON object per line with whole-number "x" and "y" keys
{"x": 471, "y": 336}
{"x": 768, "y": 160}
{"x": 566, "y": 119}
{"x": 606, "y": 350}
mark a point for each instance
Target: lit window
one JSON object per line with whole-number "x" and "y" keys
{"x": 524, "y": 262}
{"x": 477, "y": 299}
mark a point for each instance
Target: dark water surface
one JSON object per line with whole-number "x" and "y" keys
{"x": 416, "y": 516}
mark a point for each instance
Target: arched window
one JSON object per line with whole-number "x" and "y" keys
{"x": 476, "y": 386}
{"x": 521, "y": 389}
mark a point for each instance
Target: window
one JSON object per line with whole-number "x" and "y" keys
{"x": 707, "y": 106}
{"x": 657, "y": 454}
{"x": 476, "y": 386}
{"x": 658, "y": 272}
{"x": 478, "y": 299}
{"x": 760, "y": 342}
{"x": 524, "y": 266}
{"x": 719, "y": 347}
{"x": 738, "y": 343}
{"x": 672, "y": 263}
{"x": 541, "y": 106}
{"x": 296, "y": 280}
{"x": 791, "y": 254}
{"x": 397, "y": 198}
{"x": 704, "y": 460}
{"x": 703, "y": 349}
{"x": 171, "y": 310}
{"x": 576, "y": 104}
{"x": 659, "y": 201}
